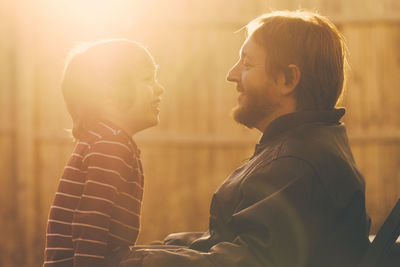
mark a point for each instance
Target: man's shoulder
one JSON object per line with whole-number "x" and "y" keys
{"x": 313, "y": 141}
{"x": 310, "y": 143}
{"x": 325, "y": 147}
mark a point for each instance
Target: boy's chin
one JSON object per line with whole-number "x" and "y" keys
{"x": 152, "y": 122}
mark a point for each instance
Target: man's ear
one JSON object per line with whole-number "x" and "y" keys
{"x": 292, "y": 79}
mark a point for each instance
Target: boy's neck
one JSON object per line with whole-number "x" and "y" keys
{"x": 121, "y": 123}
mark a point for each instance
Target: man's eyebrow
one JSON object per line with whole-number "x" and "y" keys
{"x": 244, "y": 54}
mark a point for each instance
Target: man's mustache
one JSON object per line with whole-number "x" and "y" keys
{"x": 239, "y": 88}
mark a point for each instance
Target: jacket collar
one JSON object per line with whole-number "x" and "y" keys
{"x": 293, "y": 120}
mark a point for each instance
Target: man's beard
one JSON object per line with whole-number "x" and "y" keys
{"x": 254, "y": 109}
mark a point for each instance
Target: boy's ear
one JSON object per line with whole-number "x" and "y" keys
{"x": 118, "y": 101}
{"x": 292, "y": 77}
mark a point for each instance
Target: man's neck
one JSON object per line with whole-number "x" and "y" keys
{"x": 263, "y": 124}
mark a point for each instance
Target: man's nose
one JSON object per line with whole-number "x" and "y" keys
{"x": 234, "y": 74}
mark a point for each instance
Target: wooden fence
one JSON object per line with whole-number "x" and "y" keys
{"x": 197, "y": 144}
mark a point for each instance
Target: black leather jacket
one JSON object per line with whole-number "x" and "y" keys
{"x": 299, "y": 201}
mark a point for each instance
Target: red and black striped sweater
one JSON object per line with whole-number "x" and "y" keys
{"x": 96, "y": 209}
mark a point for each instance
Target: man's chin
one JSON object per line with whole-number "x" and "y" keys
{"x": 242, "y": 116}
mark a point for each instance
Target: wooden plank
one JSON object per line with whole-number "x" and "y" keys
{"x": 157, "y": 195}
{"x": 373, "y": 111}
{"x": 7, "y": 74}
{"x": 24, "y": 132}
{"x": 8, "y": 208}
{"x": 379, "y": 165}
{"x": 9, "y": 244}
{"x": 343, "y": 11}
{"x": 370, "y": 96}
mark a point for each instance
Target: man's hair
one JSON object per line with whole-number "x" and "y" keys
{"x": 97, "y": 71}
{"x": 309, "y": 41}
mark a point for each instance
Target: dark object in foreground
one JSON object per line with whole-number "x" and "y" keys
{"x": 384, "y": 251}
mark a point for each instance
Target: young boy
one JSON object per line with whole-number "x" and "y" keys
{"x": 111, "y": 92}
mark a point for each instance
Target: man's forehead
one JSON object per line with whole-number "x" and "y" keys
{"x": 252, "y": 50}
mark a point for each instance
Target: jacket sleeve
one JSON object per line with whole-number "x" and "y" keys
{"x": 277, "y": 223}
{"x": 182, "y": 239}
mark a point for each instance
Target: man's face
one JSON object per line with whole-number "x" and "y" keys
{"x": 258, "y": 93}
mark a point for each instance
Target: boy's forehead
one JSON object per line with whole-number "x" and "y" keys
{"x": 149, "y": 67}
{"x": 145, "y": 63}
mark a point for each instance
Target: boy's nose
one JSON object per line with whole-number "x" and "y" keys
{"x": 159, "y": 89}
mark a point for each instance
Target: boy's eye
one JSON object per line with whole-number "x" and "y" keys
{"x": 247, "y": 64}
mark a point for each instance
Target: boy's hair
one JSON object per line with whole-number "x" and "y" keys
{"x": 311, "y": 42}
{"x": 97, "y": 71}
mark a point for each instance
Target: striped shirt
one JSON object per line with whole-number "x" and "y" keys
{"x": 96, "y": 209}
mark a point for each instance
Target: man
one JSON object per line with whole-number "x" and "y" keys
{"x": 299, "y": 200}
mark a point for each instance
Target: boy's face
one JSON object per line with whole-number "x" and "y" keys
{"x": 146, "y": 98}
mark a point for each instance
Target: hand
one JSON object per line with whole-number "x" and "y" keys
{"x": 134, "y": 259}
